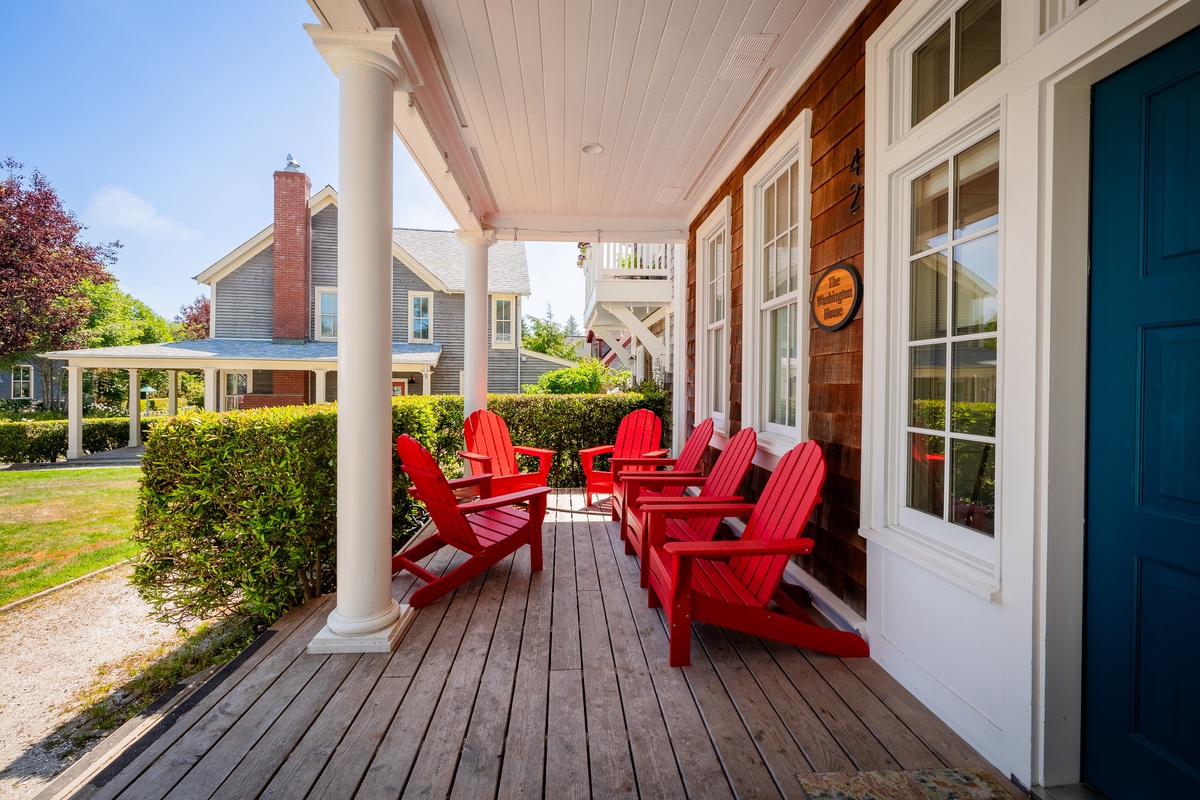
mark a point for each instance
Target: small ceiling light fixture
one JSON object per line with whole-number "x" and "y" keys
{"x": 593, "y": 148}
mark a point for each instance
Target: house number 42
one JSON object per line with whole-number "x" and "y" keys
{"x": 856, "y": 187}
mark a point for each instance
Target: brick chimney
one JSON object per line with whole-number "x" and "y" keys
{"x": 292, "y": 251}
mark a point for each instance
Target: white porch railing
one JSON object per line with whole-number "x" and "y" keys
{"x": 622, "y": 260}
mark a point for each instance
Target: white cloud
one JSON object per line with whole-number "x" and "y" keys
{"x": 119, "y": 209}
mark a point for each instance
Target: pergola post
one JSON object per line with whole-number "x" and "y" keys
{"x": 366, "y": 618}
{"x": 74, "y": 413}
{"x": 210, "y": 389}
{"x": 425, "y": 379}
{"x": 319, "y": 385}
{"x": 135, "y": 408}
{"x": 172, "y": 392}
{"x": 475, "y": 301}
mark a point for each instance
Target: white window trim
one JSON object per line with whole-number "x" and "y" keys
{"x": 318, "y": 291}
{"x": 408, "y": 314}
{"x": 512, "y": 335}
{"x": 900, "y": 66}
{"x": 720, "y": 219}
{"x": 12, "y": 389}
{"x": 249, "y": 373}
{"x": 772, "y": 445}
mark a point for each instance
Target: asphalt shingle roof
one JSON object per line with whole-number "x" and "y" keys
{"x": 444, "y": 255}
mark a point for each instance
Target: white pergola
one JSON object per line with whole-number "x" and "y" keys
{"x": 561, "y": 121}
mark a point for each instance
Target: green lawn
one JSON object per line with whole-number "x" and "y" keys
{"x": 58, "y": 524}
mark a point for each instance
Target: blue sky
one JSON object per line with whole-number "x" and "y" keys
{"x": 161, "y": 123}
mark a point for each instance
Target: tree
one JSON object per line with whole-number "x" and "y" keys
{"x": 43, "y": 267}
{"x": 547, "y": 336}
{"x": 191, "y": 323}
{"x": 572, "y": 327}
{"x": 119, "y": 319}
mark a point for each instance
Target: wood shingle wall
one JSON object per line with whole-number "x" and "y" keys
{"x": 835, "y": 93}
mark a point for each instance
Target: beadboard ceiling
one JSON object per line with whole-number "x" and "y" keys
{"x": 675, "y": 91}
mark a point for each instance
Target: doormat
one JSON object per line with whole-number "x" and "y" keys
{"x": 968, "y": 783}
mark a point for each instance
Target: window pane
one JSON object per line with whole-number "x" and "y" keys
{"x": 769, "y": 213}
{"x": 328, "y": 303}
{"x": 977, "y": 42}
{"x": 794, "y": 202}
{"x": 328, "y": 327}
{"x": 977, "y": 172}
{"x": 782, "y": 259}
{"x": 931, "y": 74}
{"x": 781, "y": 330}
{"x": 976, "y": 273}
{"x": 974, "y": 392}
{"x": 927, "y": 299}
{"x": 927, "y": 386}
{"x": 930, "y": 202}
{"x": 717, "y": 359}
{"x": 769, "y": 268}
{"x": 926, "y": 466}
{"x": 421, "y": 329}
{"x": 794, "y": 266}
{"x": 973, "y": 488}
{"x": 782, "y": 194}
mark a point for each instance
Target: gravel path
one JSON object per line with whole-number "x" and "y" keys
{"x": 51, "y": 650}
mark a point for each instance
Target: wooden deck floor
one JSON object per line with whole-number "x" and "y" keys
{"x": 554, "y": 684}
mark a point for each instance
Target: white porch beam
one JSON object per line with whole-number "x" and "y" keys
{"x": 319, "y": 391}
{"x": 74, "y": 413}
{"x": 475, "y": 299}
{"x": 135, "y": 408}
{"x": 210, "y": 389}
{"x": 612, "y": 337}
{"x": 366, "y": 618}
{"x": 656, "y": 346}
{"x": 172, "y": 392}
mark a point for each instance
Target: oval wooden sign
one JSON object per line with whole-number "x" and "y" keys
{"x": 836, "y": 297}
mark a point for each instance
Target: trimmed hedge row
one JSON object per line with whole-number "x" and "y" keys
{"x": 238, "y": 511}
{"x": 34, "y": 441}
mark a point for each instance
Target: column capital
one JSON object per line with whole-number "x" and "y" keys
{"x": 381, "y": 48}
{"x": 486, "y": 238}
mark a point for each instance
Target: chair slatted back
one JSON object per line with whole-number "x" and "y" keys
{"x": 486, "y": 433}
{"x": 690, "y": 455}
{"x": 782, "y": 511}
{"x": 434, "y": 491}
{"x": 639, "y": 433}
{"x": 726, "y": 476}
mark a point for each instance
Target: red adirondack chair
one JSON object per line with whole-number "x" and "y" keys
{"x": 487, "y": 530}
{"x": 490, "y": 450}
{"x": 638, "y": 435}
{"x": 731, "y": 583}
{"x": 718, "y": 487}
{"x": 688, "y": 463}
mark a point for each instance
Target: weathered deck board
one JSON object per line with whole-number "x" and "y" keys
{"x": 528, "y": 684}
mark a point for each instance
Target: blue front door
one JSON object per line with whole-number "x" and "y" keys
{"x": 1142, "y": 627}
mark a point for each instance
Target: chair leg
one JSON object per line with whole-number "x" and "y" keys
{"x": 652, "y": 600}
{"x": 535, "y": 549}
{"x": 680, "y": 625}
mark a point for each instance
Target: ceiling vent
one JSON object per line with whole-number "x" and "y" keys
{"x": 669, "y": 195}
{"x": 749, "y": 52}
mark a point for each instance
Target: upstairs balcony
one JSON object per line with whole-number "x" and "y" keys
{"x": 628, "y": 289}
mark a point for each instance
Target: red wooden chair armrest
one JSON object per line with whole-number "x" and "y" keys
{"x": 469, "y": 480}
{"x": 504, "y": 500}
{"x": 678, "y": 510}
{"x": 619, "y": 463}
{"x": 759, "y": 547}
{"x": 662, "y": 478}
{"x": 478, "y": 458}
{"x": 597, "y": 450}
{"x": 693, "y": 502}
{"x": 656, "y": 453}
{"x": 533, "y": 451}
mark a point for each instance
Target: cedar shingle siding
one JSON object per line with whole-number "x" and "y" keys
{"x": 835, "y": 93}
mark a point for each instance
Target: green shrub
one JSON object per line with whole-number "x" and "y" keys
{"x": 38, "y": 441}
{"x": 589, "y": 376}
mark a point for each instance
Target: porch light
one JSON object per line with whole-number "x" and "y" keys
{"x": 592, "y": 148}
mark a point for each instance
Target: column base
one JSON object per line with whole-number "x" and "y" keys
{"x": 73, "y": 455}
{"x": 382, "y": 641}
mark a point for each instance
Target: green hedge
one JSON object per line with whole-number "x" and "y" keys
{"x": 28, "y": 442}
{"x": 238, "y": 511}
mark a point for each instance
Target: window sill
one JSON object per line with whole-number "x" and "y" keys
{"x": 967, "y": 572}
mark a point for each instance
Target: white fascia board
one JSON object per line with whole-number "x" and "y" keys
{"x": 158, "y": 362}
{"x": 261, "y": 241}
{"x": 417, "y": 268}
{"x": 552, "y": 359}
{"x": 751, "y": 130}
{"x": 648, "y": 230}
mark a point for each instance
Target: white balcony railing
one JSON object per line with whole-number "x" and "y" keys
{"x": 623, "y": 261}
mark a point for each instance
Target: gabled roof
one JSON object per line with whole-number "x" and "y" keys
{"x": 444, "y": 255}
{"x": 437, "y": 257}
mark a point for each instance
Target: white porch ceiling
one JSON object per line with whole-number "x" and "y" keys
{"x": 674, "y": 90}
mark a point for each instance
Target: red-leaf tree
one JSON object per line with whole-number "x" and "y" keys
{"x": 43, "y": 264}
{"x": 191, "y": 323}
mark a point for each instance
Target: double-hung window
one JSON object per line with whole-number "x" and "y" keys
{"x": 327, "y": 314}
{"x": 955, "y": 56}
{"x": 22, "y": 382}
{"x": 712, "y": 352}
{"x": 776, "y": 281}
{"x": 420, "y": 316}
{"x": 502, "y": 322}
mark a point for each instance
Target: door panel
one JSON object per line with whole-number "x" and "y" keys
{"x": 1142, "y": 627}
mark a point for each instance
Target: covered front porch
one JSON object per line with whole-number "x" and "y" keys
{"x": 550, "y": 684}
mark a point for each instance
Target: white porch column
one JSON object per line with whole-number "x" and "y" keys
{"x": 475, "y": 300}
{"x": 135, "y": 408}
{"x": 74, "y": 413}
{"x": 210, "y": 390}
{"x": 172, "y": 392}
{"x": 425, "y": 379}
{"x": 366, "y": 618}
{"x": 319, "y": 385}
